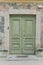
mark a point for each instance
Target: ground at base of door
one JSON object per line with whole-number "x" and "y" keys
{"x": 29, "y": 57}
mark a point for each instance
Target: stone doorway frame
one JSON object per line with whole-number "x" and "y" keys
{"x": 28, "y": 11}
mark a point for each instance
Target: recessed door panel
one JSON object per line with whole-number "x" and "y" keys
{"x": 28, "y": 26}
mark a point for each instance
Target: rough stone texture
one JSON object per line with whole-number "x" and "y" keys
{"x": 22, "y": 5}
{"x": 34, "y": 6}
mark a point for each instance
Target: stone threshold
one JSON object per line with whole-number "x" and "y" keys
{"x": 21, "y": 58}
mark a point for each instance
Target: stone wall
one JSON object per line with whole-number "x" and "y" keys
{"x": 32, "y": 6}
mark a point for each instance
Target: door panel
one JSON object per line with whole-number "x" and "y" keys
{"x": 28, "y": 35}
{"x": 28, "y": 26}
{"x": 22, "y": 34}
{"x": 15, "y": 35}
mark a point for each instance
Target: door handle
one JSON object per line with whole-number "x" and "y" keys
{"x": 8, "y": 28}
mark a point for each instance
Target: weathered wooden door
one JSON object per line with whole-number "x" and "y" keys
{"x": 22, "y": 34}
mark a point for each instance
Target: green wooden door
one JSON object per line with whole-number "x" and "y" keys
{"x": 22, "y": 34}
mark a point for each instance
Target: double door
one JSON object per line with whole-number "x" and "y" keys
{"x": 22, "y": 34}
